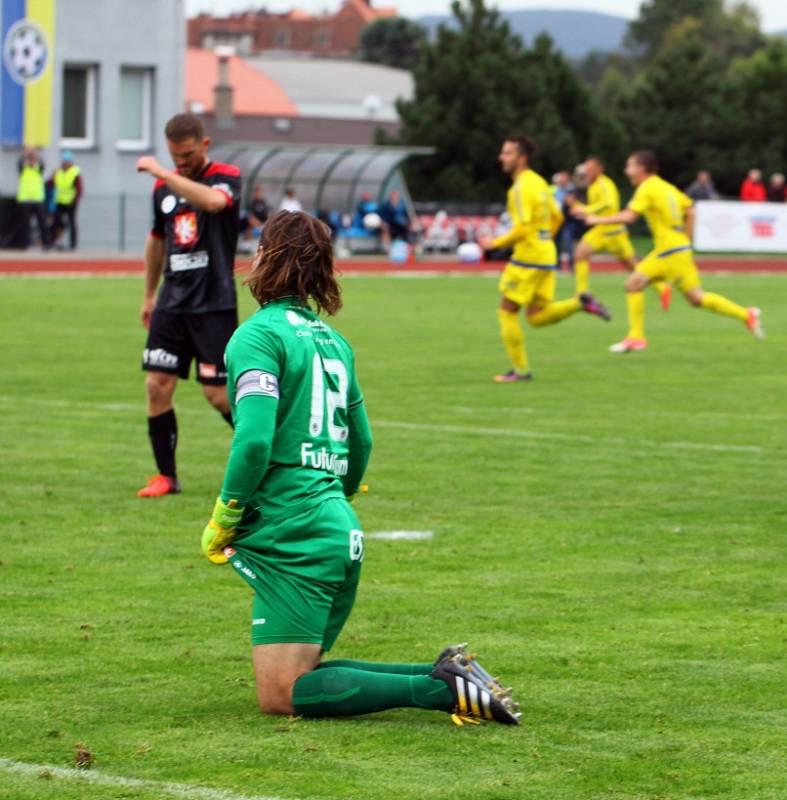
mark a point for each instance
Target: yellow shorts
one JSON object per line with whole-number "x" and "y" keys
{"x": 527, "y": 286}
{"x": 677, "y": 268}
{"x": 616, "y": 244}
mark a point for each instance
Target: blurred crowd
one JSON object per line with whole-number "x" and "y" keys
{"x": 755, "y": 190}
{"x": 381, "y": 225}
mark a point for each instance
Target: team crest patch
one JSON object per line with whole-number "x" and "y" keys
{"x": 229, "y": 552}
{"x": 186, "y": 228}
{"x": 207, "y": 371}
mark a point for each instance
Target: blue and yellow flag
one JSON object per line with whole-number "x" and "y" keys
{"x": 27, "y": 34}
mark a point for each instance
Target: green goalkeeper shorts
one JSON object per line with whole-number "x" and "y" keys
{"x": 304, "y": 571}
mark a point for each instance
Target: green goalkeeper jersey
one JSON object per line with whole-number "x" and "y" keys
{"x": 301, "y": 374}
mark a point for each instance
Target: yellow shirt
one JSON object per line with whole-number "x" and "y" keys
{"x": 664, "y": 207}
{"x": 604, "y": 200}
{"x": 65, "y": 185}
{"x": 536, "y": 218}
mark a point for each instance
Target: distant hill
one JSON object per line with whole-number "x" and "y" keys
{"x": 576, "y": 33}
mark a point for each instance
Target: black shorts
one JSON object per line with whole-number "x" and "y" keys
{"x": 174, "y": 340}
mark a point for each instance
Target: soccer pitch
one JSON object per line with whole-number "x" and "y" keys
{"x": 610, "y": 539}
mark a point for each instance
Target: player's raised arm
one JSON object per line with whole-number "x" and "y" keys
{"x": 206, "y": 198}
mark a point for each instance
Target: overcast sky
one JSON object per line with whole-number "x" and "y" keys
{"x": 772, "y": 12}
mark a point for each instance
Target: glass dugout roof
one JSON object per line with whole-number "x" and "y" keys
{"x": 325, "y": 177}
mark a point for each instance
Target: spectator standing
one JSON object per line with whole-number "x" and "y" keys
{"x": 31, "y": 193}
{"x": 67, "y": 183}
{"x": 753, "y": 189}
{"x": 290, "y": 201}
{"x": 396, "y": 219}
{"x": 702, "y": 188}
{"x": 565, "y": 193}
{"x": 776, "y": 188}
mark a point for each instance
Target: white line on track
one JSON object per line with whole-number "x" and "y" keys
{"x": 513, "y": 433}
{"x": 467, "y": 430}
{"x": 180, "y": 790}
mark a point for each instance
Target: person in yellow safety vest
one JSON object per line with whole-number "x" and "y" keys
{"x": 67, "y": 184}
{"x": 30, "y": 193}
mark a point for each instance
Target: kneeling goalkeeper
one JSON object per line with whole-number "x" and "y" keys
{"x": 301, "y": 445}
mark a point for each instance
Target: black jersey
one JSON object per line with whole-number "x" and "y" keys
{"x": 200, "y": 247}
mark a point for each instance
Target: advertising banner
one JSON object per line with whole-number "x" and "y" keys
{"x": 740, "y": 227}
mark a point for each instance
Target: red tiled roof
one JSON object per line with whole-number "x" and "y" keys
{"x": 255, "y": 93}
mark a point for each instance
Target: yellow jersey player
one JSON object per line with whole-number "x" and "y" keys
{"x": 528, "y": 280}
{"x": 670, "y": 217}
{"x": 604, "y": 199}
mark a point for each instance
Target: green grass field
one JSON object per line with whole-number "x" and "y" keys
{"x": 610, "y": 538}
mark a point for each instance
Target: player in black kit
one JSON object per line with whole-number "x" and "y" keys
{"x": 192, "y": 244}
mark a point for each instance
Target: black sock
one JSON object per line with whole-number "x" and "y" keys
{"x": 163, "y": 431}
{"x": 228, "y": 418}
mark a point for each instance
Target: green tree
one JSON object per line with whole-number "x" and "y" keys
{"x": 757, "y": 96}
{"x": 730, "y": 30}
{"x": 393, "y": 41}
{"x": 677, "y": 106}
{"x": 475, "y": 84}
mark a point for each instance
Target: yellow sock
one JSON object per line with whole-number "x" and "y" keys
{"x": 721, "y": 305}
{"x": 513, "y": 338}
{"x": 659, "y": 286}
{"x": 554, "y": 312}
{"x": 635, "y": 302}
{"x": 582, "y": 275}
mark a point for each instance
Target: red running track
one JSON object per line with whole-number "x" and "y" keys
{"x": 88, "y": 266}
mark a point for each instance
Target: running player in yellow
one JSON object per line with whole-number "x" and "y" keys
{"x": 528, "y": 281}
{"x": 670, "y": 217}
{"x": 604, "y": 199}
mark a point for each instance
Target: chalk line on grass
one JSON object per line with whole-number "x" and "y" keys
{"x": 186, "y": 791}
{"x": 571, "y": 438}
{"x": 467, "y": 430}
{"x": 392, "y": 536}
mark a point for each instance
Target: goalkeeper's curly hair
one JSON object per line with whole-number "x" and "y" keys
{"x": 295, "y": 259}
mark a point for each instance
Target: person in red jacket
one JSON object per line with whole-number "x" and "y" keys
{"x": 753, "y": 189}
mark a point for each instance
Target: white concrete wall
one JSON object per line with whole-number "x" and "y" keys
{"x": 111, "y": 34}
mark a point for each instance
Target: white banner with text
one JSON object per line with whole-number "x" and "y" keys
{"x": 729, "y": 225}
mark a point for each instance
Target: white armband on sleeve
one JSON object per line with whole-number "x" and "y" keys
{"x": 255, "y": 381}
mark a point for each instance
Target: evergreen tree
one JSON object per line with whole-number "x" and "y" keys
{"x": 677, "y": 105}
{"x": 393, "y": 41}
{"x": 476, "y": 84}
{"x": 757, "y": 95}
{"x": 730, "y": 30}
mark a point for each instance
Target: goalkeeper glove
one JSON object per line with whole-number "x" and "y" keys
{"x": 220, "y": 531}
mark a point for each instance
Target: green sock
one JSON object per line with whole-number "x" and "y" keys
{"x": 374, "y": 666}
{"x": 344, "y": 692}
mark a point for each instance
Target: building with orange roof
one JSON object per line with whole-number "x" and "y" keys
{"x": 294, "y": 98}
{"x": 254, "y": 93}
{"x": 251, "y": 32}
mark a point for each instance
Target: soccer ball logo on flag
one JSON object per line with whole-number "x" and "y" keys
{"x": 25, "y": 52}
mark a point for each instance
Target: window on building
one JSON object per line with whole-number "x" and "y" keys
{"x": 282, "y": 37}
{"x": 134, "y": 108}
{"x": 322, "y": 39}
{"x": 79, "y": 106}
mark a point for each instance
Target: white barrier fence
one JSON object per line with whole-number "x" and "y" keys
{"x": 726, "y": 225}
